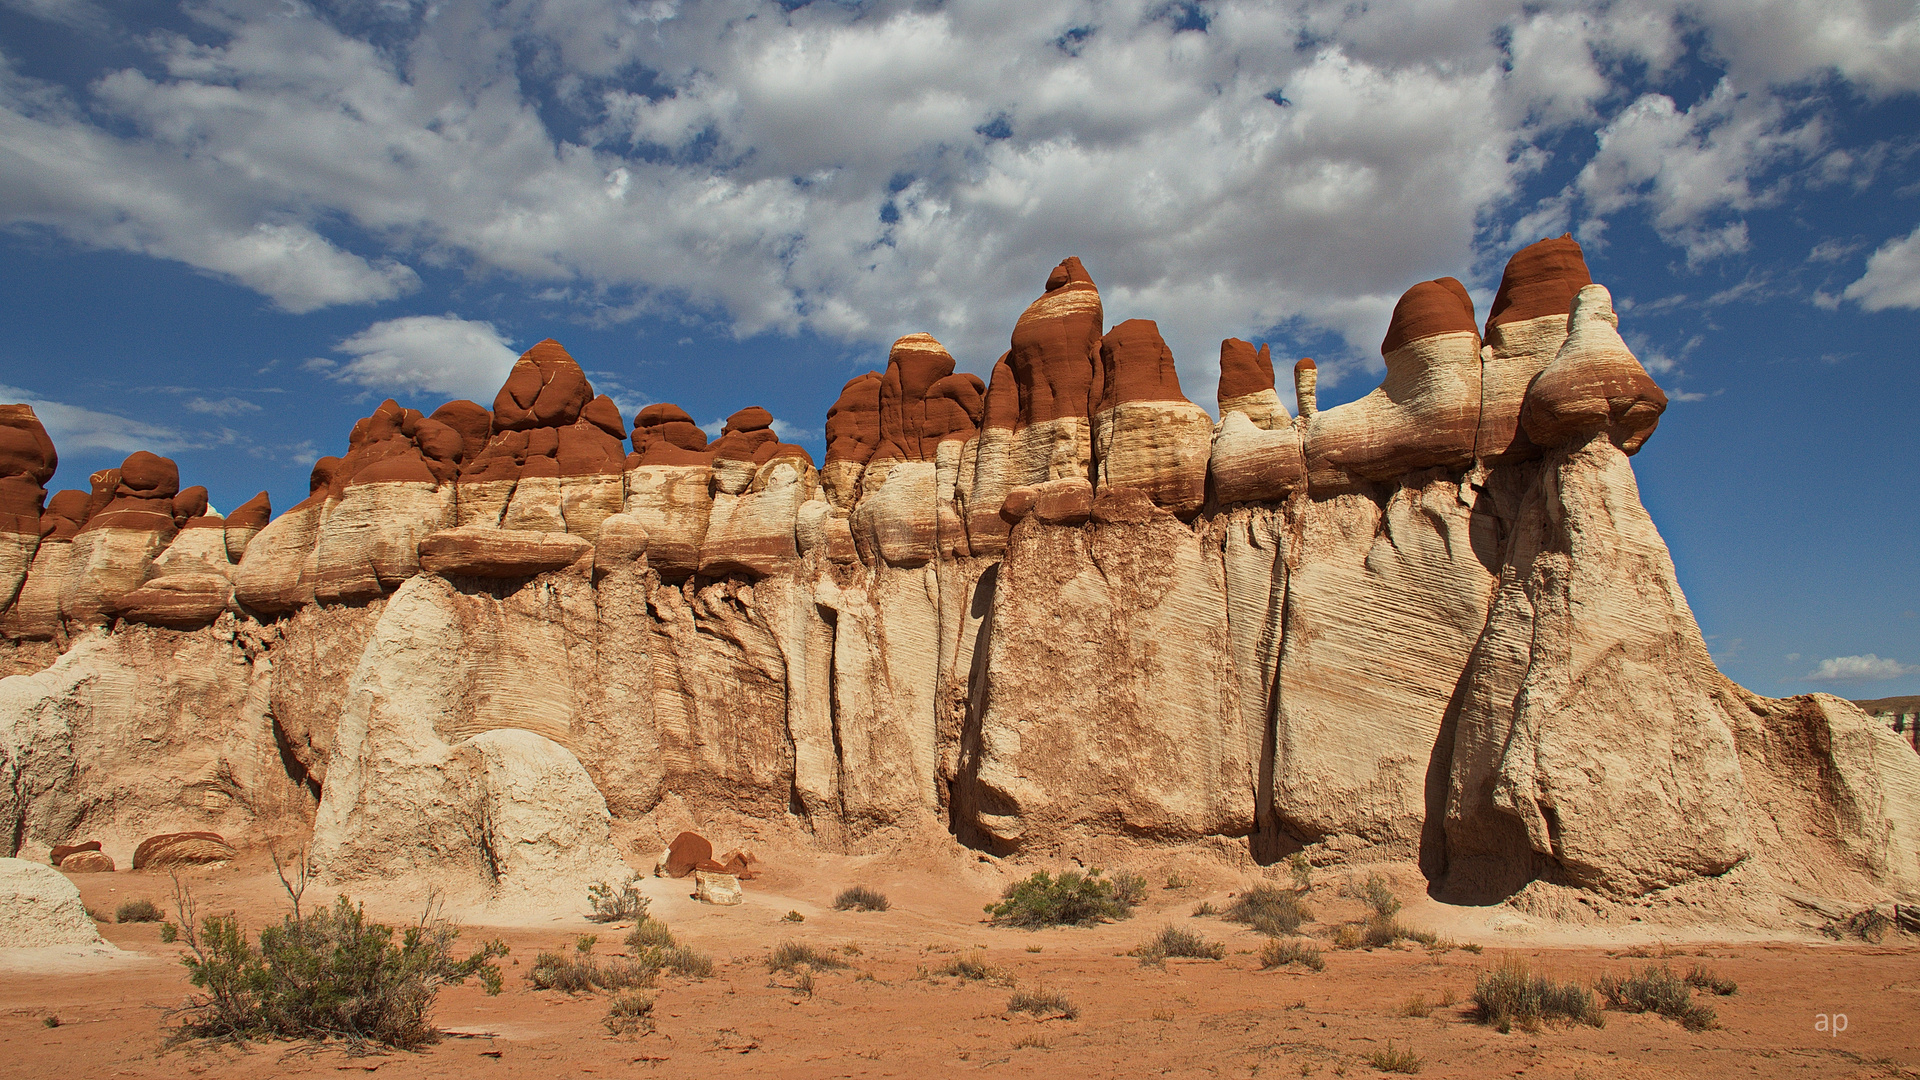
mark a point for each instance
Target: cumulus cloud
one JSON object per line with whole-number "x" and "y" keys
{"x": 1892, "y": 279}
{"x": 430, "y": 354}
{"x": 1869, "y": 666}
{"x": 74, "y": 427}
{"x": 868, "y": 171}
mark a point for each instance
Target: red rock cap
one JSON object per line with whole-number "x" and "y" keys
{"x": 1541, "y": 279}
{"x": 546, "y": 388}
{"x": 853, "y": 421}
{"x": 1243, "y": 370}
{"x": 1136, "y": 365}
{"x": 1441, "y": 306}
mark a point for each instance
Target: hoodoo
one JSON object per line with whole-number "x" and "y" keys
{"x": 1058, "y": 611}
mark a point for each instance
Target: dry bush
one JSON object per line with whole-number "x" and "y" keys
{"x": 1301, "y": 870}
{"x": 791, "y": 954}
{"x": 1656, "y": 989}
{"x": 141, "y": 910}
{"x": 582, "y": 973}
{"x": 793, "y": 916}
{"x": 1173, "y": 941}
{"x": 1204, "y": 908}
{"x": 1269, "y": 910}
{"x": 1071, "y": 899}
{"x": 860, "y": 898}
{"x": 1348, "y": 937}
{"x": 1385, "y": 930}
{"x": 1512, "y": 994}
{"x": 654, "y": 947}
{"x": 1377, "y": 893}
{"x": 616, "y": 905}
{"x": 1042, "y": 1002}
{"x": 1708, "y": 979}
{"x": 975, "y": 968}
{"x": 1282, "y": 953}
{"x": 647, "y": 932}
{"x": 1395, "y": 1061}
{"x": 1416, "y": 1007}
{"x": 630, "y": 1012}
{"x": 324, "y": 975}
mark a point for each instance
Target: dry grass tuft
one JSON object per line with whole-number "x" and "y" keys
{"x": 1269, "y": 910}
{"x": 1291, "y": 951}
{"x": 1656, "y": 989}
{"x": 1042, "y": 1002}
{"x": 1395, "y": 1061}
{"x": 791, "y": 954}
{"x": 860, "y": 898}
{"x": 1174, "y": 941}
{"x": 1512, "y": 994}
{"x": 141, "y": 910}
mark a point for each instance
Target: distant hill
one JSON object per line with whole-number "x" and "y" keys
{"x": 1908, "y": 704}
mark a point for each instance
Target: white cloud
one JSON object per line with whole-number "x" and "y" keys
{"x": 73, "y": 427}
{"x": 1892, "y": 278}
{"x": 226, "y": 406}
{"x": 873, "y": 171}
{"x": 433, "y": 354}
{"x": 1843, "y": 668}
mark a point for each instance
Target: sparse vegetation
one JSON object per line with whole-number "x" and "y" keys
{"x": 1177, "y": 880}
{"x": 1042, "y": 1002}
{"x": 630, "y": 1012}
{"x": 329, "y": 974}
{"x": 1302, "y": 871}
{"x": 581, "y": 972}
{"x": 1204, "y": 908}
{"x": 1071, "y": 899}
{"x": 1348, "y": 936}
{"x": 1031, "y": 1041}
{"x": 654, "y": 948}
{"x": 860, "y": 898}
{"x": 1395, "y": 1061}
{"x": 793, "y": 916}
{"x": 1707, "y": 979}
{"x": 1656, "y": 989}
{"x": 648, "y": 932}
{"x": 616, "y": 905}
{"x": 1174, "y": 941}
{"x": 1269, "y": 910}
{"x": 1377, "y": 893}
{"x": 1513, "y": 994}
{"x": 791, "y": 954}
{"x": 50, "y": 1020}
{"x": 974, "y": 968}
{"x": 1416, "y": 1007}
{"x": 1282, "y": 953}
{"x": 1381, "y": 930}
{"x": 141, "y": 910}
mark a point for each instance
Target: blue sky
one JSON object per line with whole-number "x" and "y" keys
{"x": 231, "y": 228}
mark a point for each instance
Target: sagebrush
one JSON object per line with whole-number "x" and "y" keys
{"x": 1289, "y": 951}
{"x": 791, "y": 954}
{"x": 1269, "y": 910}
{"x": 860, "y": 898}
{"x": 141, "y": 910}
{"x": 1514, "y": 994}
{"x": 1042, "y": 1001}
{"x": 326, "y": 975}
{"x": 581, "y": 972}
{"x": 1174, "y": 941}
{"x": 1070, "y": 899}
{"x": 1656, "y": 989}
{"x": 616, "y": 905}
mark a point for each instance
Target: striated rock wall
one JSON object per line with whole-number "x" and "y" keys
{"x": 1059, "y": 608}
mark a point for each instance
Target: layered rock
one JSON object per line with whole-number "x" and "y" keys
{"x": 907, "y": 514}
{"x": 35, "y": 614}
{"x": 1425, "y": 413}
{"x": 113, "y": 552}
{"x": 759, "y": 485}
{"x": 668, "y": 482}
{"x": 1594, "y": 385}
{"x": 27, "y": 462}
{"x": 853, "y": 434}
{"x": 1525, "y": 328}
{"x": 393, "y": 487}
{"x": 1146, "y": 434}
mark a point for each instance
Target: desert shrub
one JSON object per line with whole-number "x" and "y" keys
{"x": 581, "y": 972}
{"x": 1512, "y": 994}
{"x": 1395, "y": 1061}
{"x": 974, "y": 968}
{"x": 1416, "y": 1007}
{"x": 1656, "y": 989}
{"x": 330, "y": 974}
{"x": 1377, "y": 893}
{"x": 791, "y": 954}
{"x": 137, "y": 911}
{"x": 860, "y": 898}
{"x": 616, "y": 905}
{"x": 1381, "y": 930}
{"x": 793, "y": 916}
{"x": 1204, "y": 908}
{"x": 1302, "y": 871}
{"x": 1707, "y": 979}
{"x": 1281, "y": 953}
{"x": 1269, "y": 910}
{"x": 682, "y": 960}
{"x": 1071, "y": 899}
{"x": 647, "y": 932}
{"x": 1173, "y": 941}
{"x": 1042, "y": 1002}
{"x": 629, "y": 1012}
{"x": 1177, "y": 880}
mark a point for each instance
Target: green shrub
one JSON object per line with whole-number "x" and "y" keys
{"x": 326, "y": 975}
{"x": 616, "y": 905}
{"x": 1707, "y": 979}
{"x": 860, "y": 898}
{"x": 1656, "y": 989}
{"x": 791, "y": 954}
{"x": 581, "y": 973}
{"x": 1395, "y": 1061}
{"x": 1042, "y": 1002}
{"x": 1377, "y": 893}
{"x": 630, "y": 1012}
{"x": 1173, "y": 941}
{"x": 1269, "y": 910}
{"x": 1072, "y": 899}
{"x": 137, "y": 911}
{"x": 1512, "y": 994}
{"x": 1281, "y": 953}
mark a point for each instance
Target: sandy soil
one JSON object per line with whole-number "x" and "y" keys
{"x": 886, "y": 1015}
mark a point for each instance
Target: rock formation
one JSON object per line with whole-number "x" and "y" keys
{"x": 38, "y": 908}
{"x": 1055, "y": 611}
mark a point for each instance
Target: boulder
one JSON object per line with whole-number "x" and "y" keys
{"x": 180, "y": 849}
{"x": 87, "y": 862}
{"x": 715, "y": 887}
{"x": 39, "y": 907}
{"x": 1426, "y": 411}
{"x": 61, "y": 851}
{"x": 1246, "y": 384}
{"x": 546, "y": 388}
{"x": 687, "y": 851}
{"x": 180, "y": 601}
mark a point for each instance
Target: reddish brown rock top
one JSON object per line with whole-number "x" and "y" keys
{"x": 546, "y": 388}
{"x": 1306, "y": 364}
{"x": 1135, "y": 365}
{"x": 663, "y": 434}
{"x": 1003, "y": 397}
{"x": 142, "y": 489}
{"x": 470, "y": 420}
{"x": 1540, "y": 279}
{"x": 1441, "y": 306}
{"x": 746, "y": 432}
{"x": 1054, "y": 347}
{"x": 853, "y": 421}
{"x": 66, "y": 512}
{"x": 252, "y": 514}
{"x": 1243, "y": 370}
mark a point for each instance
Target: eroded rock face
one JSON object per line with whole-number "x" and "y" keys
{"x": 38, "y": 907}
{"x": 27, "y": 462}
{"x": 1055, "y": 610}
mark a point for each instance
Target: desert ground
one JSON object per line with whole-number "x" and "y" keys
{"x": 890, "y": 1012}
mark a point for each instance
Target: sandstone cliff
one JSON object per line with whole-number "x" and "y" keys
{"x": 1058, "y": 608}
